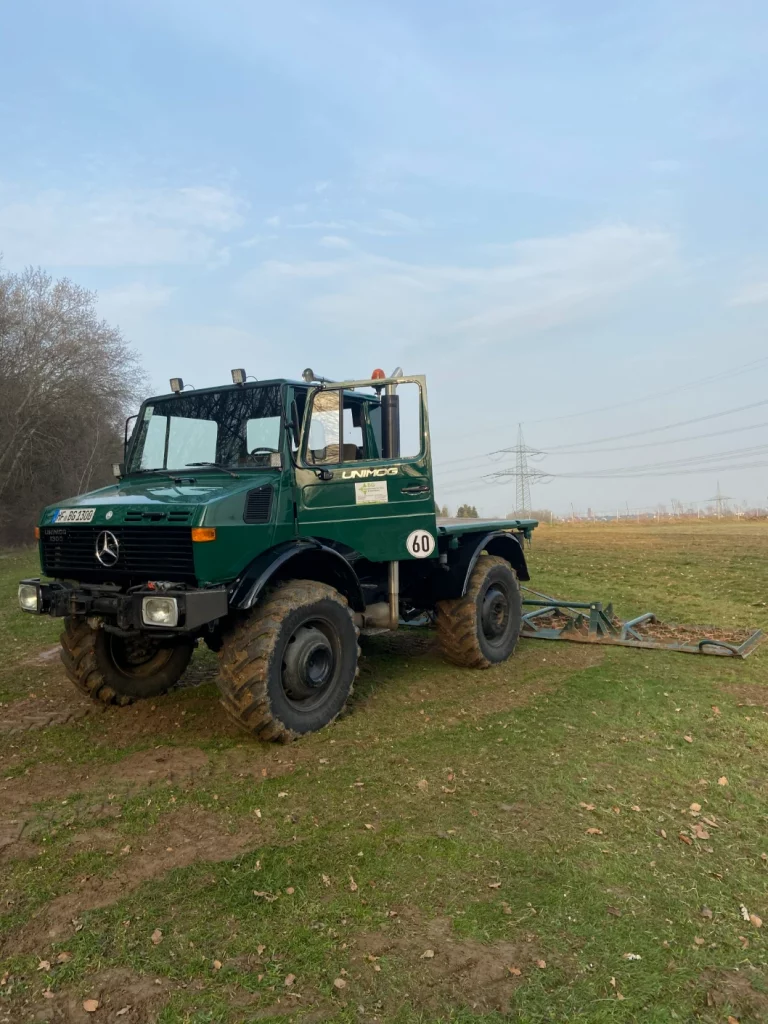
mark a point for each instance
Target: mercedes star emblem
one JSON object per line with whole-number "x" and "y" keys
{"x": 107, "y": 548}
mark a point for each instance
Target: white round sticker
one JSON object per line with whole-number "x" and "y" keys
{"x": 420, "y": 544}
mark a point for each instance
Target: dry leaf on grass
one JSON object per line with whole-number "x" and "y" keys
{"x": 541, "y": 964}
{"x": 122, "y": 1012}
{"x": 44, "y": 965}
{"x": 723, "y": 780}
{"x": 90, "y": 1005}
{"x": 615, "y": 912}
{"x": 744, "y": 941}
{"x": 695, "y": 808}
{"x": 428, "y": 954}
{"x": 290, "y": 890}
{"x": 63, "y": 958}
{"x": 688, "y": 739}
{"x": 217, "y": 965}
{"x": 494, "y": 885}
{"x": 635, "y": 807}
{"x": 706, "y": 912}
{"x": 631, "y": 956}
{"x": 289, "y": 980}
{"x": 685, "y": 839}
{"x": 594, "y": 831}
{"x": 157, "y": 937}
{"x": 326, "y": 880}
{"x": 423, "y": 785}
{"x": 732, "y": 1020}
{"x": 339, "y": 983}
{"x": 699, "y": 941}
{"x": 756, "y": 921}
{"x": 587, "y": 807}
{"x": 515, "y": 971}
{"x": 352, "y": 884}
{"x": 744, "y": 912}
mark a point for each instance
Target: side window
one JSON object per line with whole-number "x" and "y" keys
{"x": 410, "y": 420}
{"x": 323, "y": 441}
{"x": 354, "y": 445}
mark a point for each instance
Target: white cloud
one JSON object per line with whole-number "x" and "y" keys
{"x": 273, "y": 221}
{"x": 755, "y": 294}
{"x": 335, "y": 242}
{"x": 134, "y": 298}
{"x": 139, "y": 227}
{"x": 534, "y": 285}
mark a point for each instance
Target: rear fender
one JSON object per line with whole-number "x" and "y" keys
{"x": 299, "y": 559}
{"x": 461, "y": 562}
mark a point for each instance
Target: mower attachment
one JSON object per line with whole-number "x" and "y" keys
{"x": 589, "y": 622}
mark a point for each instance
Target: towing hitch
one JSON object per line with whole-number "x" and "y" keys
{"x": 551, "y": 618}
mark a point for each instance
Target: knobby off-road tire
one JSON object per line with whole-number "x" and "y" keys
{"x": 288, "y": 667}
{"x": 482, "y": 628}
{"x": 113, "y": 670}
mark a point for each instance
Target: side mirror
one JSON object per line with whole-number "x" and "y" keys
{"x": 118, "y": 469}
{"x": 125, "y": 435}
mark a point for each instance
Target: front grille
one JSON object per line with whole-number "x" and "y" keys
{"x": 258, "y": 505}
{"x": 144, "y": 553}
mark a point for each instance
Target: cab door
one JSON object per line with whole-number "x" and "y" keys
{"x": 348, "y": 493}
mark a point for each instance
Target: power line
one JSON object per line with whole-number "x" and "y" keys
{"x": 616, "y": 437}
{"x": 717, "y": 377}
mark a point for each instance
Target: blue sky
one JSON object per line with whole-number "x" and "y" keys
{"x": 548, "y": 208}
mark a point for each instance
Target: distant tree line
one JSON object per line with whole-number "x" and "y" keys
{"x": 67, "y": 381}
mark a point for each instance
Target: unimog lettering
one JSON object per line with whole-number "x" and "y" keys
{"x": 273, "y": 521}
{"x": 366, "y": 474}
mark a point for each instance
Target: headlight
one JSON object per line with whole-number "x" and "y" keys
{"x": 29, "y": 597}
{"x": 160, "y": 611}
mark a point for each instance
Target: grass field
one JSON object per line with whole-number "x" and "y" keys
{"x": 571, "y": 836}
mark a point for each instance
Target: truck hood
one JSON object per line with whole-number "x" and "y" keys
{"x": 157, "y": 497}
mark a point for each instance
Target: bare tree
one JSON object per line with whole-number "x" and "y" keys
{"x": 67, "y": 381}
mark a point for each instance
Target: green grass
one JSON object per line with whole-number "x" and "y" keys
{"x": 469, "y": 779}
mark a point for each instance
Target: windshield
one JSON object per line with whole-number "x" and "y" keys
{"x": 234, "y": 428}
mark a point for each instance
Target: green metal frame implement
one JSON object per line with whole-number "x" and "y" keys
{"x": 590, "y": 622}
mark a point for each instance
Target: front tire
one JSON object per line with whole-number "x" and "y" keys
{"x": 482, "y": 628}
{"x": 288, "y": 667}
{"x": 115, "y": 670}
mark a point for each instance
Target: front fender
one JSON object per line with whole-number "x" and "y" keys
{"x": 297, "y": 559}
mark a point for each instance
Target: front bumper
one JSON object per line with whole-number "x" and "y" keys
{"x": 197, "y": 607}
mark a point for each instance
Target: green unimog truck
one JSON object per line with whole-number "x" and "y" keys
{"x": 275, "y": 521}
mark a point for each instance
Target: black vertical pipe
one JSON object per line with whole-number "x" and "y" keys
{"x": 390, "y": 425}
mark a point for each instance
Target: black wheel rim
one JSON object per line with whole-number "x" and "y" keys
{"x": 495, "y": 614}
{"x": 138, "y": 656}
{"x": 311, "y": 664}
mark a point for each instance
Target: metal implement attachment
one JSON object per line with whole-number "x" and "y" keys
{"x": 552, "y": 618}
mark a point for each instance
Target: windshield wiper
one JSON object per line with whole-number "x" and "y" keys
{"x": 215, "y": 465}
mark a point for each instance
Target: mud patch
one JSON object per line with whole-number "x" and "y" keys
{"x": 57, "y": 702}
{"x": 138, "y": 999}
{"x": 181, "y": 839}
{"x": 459, "y": 973}
{"x": 732, "y": 991}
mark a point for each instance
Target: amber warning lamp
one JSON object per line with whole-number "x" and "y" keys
{"x": 378, "y": 375}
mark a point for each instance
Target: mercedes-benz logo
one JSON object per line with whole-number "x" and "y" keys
{"x": 107, "y": 548}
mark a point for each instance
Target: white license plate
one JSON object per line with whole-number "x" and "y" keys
{"x": 73, "y": 515}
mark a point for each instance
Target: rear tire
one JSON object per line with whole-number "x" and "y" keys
{"x": 288, "y": 667}
{"x": 114, "y": 670}
{"x": 482, "y": 628}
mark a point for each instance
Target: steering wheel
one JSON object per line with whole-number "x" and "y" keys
{"x": 263, "y": 449}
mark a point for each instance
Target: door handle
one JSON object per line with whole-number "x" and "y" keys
{"x": 416, "y": 489}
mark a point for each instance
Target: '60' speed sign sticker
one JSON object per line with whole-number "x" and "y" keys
{"x": 420, "y": 544}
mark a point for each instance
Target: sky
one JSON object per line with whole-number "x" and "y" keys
{"x": 555, "y": 211}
